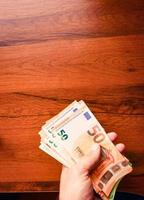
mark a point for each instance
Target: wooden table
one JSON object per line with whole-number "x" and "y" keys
{"x": 52, "y": 52}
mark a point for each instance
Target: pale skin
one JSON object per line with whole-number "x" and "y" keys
{"x": 75, "y": 183}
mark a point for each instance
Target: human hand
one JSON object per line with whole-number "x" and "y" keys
{"x": 75, "y": 183}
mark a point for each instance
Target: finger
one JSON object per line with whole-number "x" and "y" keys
{"x": 120, "y": 147}
{"x": 64, "y": 169}
{"x": 64, "y": 172}
{"x": 88, "y": 162}
{"x": 112, "y": 136}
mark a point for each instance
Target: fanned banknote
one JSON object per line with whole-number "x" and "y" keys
{"x": 69, "y": 135}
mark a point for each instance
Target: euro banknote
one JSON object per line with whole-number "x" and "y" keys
{"x": 70, "y": 134}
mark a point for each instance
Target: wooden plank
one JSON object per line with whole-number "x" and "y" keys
{"x": 114, "y": 100}
{"x": 86, "y": 63}
{"x": 31, "y": 21}
{"x": 126, "y": 185}
{"x": 29, "y": 195}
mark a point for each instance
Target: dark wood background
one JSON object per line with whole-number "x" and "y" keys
{"x": 53, "y": 52}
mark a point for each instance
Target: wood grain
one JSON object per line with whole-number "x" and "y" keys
{"x": 52, "y": 52}
{"x": 32, "y": 21}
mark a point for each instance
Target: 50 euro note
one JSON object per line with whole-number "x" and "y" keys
{"x": 57, "y": 151}
{"x": 49, "y": 138}
{"x": 81, "y": 130}
{"x": 44, "y": 146}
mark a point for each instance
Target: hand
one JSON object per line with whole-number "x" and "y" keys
{"x": 75, "y": 183}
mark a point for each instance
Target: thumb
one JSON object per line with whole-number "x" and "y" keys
{"x": 89, "y": 161}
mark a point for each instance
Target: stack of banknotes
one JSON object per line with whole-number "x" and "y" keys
{"x": 70, "y": 134}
